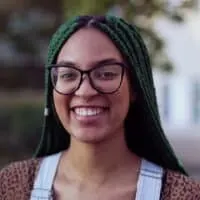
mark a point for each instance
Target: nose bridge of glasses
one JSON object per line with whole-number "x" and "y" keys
{"x": 85, "y": 76}
{"x": 86, "y": 82}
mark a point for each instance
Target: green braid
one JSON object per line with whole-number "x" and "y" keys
{"x": 150, "y": 141}
{"x": 113, "y": 30}
{"x": 137, "y": 43}
{"x": 134, "y": 39}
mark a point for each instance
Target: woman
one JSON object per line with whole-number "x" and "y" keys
{"x": 102, "y": 134}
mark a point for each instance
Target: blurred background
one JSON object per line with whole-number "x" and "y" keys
{"x": 171, "y": 29}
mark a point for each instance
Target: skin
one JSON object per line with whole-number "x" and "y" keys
{"x": 98, "y": 163}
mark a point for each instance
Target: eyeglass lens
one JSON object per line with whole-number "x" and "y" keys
{"x": 105, "y": 79}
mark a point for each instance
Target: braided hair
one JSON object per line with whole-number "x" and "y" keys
{"x": 143, "y": 131}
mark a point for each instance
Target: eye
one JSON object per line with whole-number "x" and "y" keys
{"x": 68, "y": 75}
{"x": 107, "y": 73}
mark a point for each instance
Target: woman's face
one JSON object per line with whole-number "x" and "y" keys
{"x": 88, "y": 115}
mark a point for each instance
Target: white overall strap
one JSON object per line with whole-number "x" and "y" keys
{"x": 150, "y": 181}
{"x": 42, "y": 188}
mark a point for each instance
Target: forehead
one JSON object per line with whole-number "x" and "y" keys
{"x": 88, "y": 45}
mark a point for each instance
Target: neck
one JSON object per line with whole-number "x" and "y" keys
{"x": 99, "y": 160}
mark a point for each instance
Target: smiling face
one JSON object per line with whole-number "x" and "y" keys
{"x": 86, "y": 114}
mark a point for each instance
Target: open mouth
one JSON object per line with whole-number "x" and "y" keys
{"x": 89, "y": 111}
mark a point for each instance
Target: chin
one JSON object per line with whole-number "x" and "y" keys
{"x": 89, "y": 137}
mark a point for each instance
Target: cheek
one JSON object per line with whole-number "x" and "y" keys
{"x": 60, "y": 103}
{"x": 125, "y": 92}
{"x": 121, "y": 100}
{"x": 57, "y": 101}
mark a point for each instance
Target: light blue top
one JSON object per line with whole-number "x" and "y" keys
{"x": 148, "y": 186}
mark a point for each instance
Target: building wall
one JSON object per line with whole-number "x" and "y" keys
{"x": 178, "y": 100}
{"x": 179, "y": 92}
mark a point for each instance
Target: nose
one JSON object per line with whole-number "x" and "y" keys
{"x": 85, "y": 89}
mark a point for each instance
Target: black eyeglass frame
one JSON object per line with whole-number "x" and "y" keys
{"x": 87, "y": 72}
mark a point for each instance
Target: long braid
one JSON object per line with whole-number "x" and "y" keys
{"x": 141, "y": 63}
{"x": 137, "y": 42}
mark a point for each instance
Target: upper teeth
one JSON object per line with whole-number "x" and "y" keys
{"x": 87, "y": 111}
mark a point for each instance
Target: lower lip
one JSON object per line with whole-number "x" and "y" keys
{"x": 91, "y": 118}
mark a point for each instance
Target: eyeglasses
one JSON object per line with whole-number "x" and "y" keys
{"x": 105, "y": 78}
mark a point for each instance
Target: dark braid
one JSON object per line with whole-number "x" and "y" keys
{"x": 141, "y": 63}
{"x": 143, "y": 131}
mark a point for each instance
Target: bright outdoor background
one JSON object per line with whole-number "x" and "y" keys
{"x": 171, "y": 29}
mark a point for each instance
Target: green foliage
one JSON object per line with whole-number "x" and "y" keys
{"x": 78, "y": 7}
{"x": 140, "y": 12}
{"x": 20, "y": 129}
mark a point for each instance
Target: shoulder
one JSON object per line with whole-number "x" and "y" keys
{"x": 17, "y": 178}
{"x": 177, "y": 185}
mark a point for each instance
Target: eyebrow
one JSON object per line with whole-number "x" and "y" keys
{"x": 95, "y": 63}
